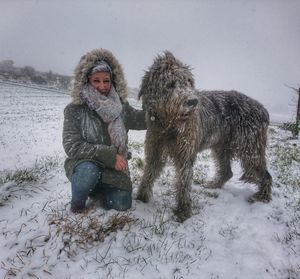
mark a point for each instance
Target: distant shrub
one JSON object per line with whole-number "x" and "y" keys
{"x": 286, "y": 162}
{"x": 40, "y": 168}
{"x": 293, "y": 127}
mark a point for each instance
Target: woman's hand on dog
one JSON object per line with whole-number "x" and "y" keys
{"x": 121, "y": 163}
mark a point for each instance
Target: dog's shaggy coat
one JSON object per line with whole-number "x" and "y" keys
{"x": 182, "y": 121}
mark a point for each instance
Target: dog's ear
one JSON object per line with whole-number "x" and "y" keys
{"x": 144, "y": 85}
{"x": 150, "y": 104}
{"x": 140, "y": 94}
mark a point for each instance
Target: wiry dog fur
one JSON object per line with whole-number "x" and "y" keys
{"x": 183, "y": 121}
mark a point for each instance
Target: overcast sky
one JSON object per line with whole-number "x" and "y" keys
{"x": 251, "y": 46}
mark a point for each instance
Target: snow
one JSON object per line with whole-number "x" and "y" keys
{"x": 225, "y": 238}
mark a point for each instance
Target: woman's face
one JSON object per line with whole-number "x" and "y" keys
{"x": 101, "y": 81}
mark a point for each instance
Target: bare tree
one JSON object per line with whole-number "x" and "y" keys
{"x": 296, "y": 125}
{"x": 29, "y": 71}
{"x": 298, "y": 108}
{"x": 7, "y": 65}
{"x": 298, "y": 114}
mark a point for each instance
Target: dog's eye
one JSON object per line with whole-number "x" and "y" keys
{"x": 171, "y": 85}
{"x": 190, "y": 82}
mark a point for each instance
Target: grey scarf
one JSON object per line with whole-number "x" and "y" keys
{"x": 109, "y": 108}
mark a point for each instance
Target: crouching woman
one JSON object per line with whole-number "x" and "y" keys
{"x": 95, "y": 129}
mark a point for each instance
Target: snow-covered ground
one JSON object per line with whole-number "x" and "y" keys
{"x": 225, "y": 238}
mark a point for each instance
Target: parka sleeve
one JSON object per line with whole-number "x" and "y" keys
{"x": 77, "y": 148}
{"x": 134, "y": 119}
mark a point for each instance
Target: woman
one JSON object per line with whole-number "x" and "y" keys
{"x": 95, "y": 129}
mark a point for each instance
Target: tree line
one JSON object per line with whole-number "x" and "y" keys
{"x": 29, "y": 75}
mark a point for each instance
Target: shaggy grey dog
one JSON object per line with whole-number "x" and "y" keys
{"x": 182, "y": 121}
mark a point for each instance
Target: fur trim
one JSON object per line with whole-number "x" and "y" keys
{"x": 87, "y": 62}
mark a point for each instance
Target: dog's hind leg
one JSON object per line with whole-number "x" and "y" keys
{"x": 265, "y": 188}
{"x": 222, "y": 159}
{"x": 253, "y": 161}
{"x": 154, "y": 162}
{"x": 256, "y": 172}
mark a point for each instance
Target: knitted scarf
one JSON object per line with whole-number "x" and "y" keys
{"x": 109, "y": 108}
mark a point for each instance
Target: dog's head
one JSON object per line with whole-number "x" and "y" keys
{"x": 167, "y": 91}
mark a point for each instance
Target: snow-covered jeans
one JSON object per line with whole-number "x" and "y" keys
{"x": 86, "y": 182}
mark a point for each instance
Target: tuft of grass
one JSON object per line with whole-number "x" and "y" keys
{"x": 41, "y": 168}
{"x": 200, "y": 174}
{"x": 293, "y": 233}
{"x": 228, "y": 232}
{"x": 201, "y": 167}
{"x": 286, "y": 160}
{"x": 287, "y": 153}
{"x": 136, "y": 169}
{"x": 135, "y": 145}
{"x": 160, "y": 223}
{"x": 85, "y": 230}
{"x": 293, "y": 127}
{"x": 10, "y": 182}
{"x": 138, "y": 163}
{"x": 20, "y": 176}
{"x": 272, "y": 130}
{"x": 290, "y": 240}
{"x": 158, "y": 241}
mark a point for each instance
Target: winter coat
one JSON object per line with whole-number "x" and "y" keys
{"x": 85, "y": 135}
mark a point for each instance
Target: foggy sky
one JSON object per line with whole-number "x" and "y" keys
{"x": 251, "y": 46}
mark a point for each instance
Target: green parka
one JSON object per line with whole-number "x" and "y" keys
{"x": 85, "y": 135}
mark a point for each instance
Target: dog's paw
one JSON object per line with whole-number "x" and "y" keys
{"x": 143, "y": 197}
{"x": 260, "y": 197}
{"x": 182, "y": 215}
{"x": 213, "y": 184}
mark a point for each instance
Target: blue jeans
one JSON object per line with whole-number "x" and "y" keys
{"x": 86, "y": 181}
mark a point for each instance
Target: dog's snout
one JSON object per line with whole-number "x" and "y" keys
{"x": 192, "y": 102}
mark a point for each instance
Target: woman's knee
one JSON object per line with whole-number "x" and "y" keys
{"x": 87, "y": 172}
{"x": 118, "y": 199}
{"x": 84, "y": 179}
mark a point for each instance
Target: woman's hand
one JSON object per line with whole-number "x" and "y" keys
{"x": 121, "y": 163}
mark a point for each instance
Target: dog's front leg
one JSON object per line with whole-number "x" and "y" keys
{"x": 184, "y": 171}
{"x": 154, "y": 162}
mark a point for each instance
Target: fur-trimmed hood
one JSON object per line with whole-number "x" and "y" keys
{"x": 87, "y": 62}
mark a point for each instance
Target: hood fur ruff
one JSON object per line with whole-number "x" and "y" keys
{"x": 87, "y": 62}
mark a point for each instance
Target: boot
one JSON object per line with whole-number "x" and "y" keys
{"x": 77, "y": 206}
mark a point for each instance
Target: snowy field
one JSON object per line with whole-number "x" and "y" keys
{"x": 225, "y": 238}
